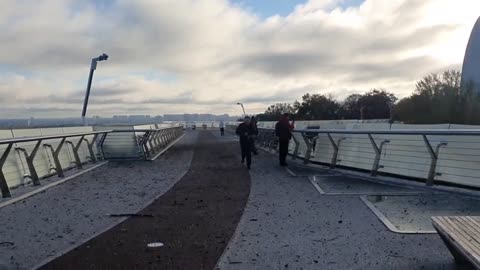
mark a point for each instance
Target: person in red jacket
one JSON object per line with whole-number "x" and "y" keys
{"x": 283, "y": 131}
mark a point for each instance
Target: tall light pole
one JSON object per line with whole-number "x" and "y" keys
{"x": 241, "y": 104}
{"x": 93, "y": 66}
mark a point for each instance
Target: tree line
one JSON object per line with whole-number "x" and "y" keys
{"x": 438, "y": 98}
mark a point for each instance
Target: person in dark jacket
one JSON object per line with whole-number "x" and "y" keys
{"x": 283, "y": 131}
{"x": 253, "y": 133}
{"x": 243, "y": 131}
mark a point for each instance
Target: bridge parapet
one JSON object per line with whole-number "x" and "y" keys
{"x": 434, "y": 156}
{"x": 27, "y": 160}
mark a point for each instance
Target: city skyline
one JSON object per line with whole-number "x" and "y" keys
{"x": 32, "y": 122}
{"x": 163, "y": 60}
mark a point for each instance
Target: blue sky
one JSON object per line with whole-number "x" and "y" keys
{"x": 266, "y": 8}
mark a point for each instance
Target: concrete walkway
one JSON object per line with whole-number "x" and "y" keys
{"x": 194, "y": 220}
{"x": 50, "y": 223}
{"x": 287, "y": 224}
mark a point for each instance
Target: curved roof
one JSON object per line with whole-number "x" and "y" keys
{"x": 471, "y": 62}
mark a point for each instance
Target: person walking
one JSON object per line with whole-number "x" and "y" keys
{"x": 222, "y": 128}
{"x": 253, "y": 133}
{"x": 243, "y": 132}
{"x": 283, "y": 131}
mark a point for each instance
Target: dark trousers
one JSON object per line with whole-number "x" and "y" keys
{"x": 283, "y": 151}
{"x": 246, "y": 151}
{"x": 253, "y": 148}
{"x": 222, "y": 131}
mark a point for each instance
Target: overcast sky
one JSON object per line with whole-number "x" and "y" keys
{"x": 203, "y": 56}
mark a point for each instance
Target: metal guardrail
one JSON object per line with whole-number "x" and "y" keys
{"x": 433, "y": 155}
{"x": 54, "y": 151}
{"x": 104, "y": 144}
{"x": 138, "y": 143}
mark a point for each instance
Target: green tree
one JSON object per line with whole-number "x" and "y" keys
{"x": 374, "y": 104}
{"x": 351, "y": 107}
{"x": 438, "y": 98}
{"x": 274, "y": 112}
{"x": 317, "y": 107}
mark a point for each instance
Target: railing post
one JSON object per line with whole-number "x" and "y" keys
{"x": 55, "y": 153}
{"x": 434, "y": 159}
{"x": 336, "y": 146}
{"x": 378, "y": 154}
{"x": 143, "y": 143}
{"x": 163, "y": 138}
{"x": 3, "y": 181}
{"x": 297, "y": 146}
{"x": 150, "y": 141}
{"x": 75, "y": 148}
{"x": 101, "y": 142}
{"x": 29, "y": 159}
{"x": 90, "y": 148}
{"x": 157, "y": 139}
{"x": 309, "y": 143}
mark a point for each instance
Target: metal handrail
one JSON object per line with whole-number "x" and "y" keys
{"x": 55, "y": 151}
{"x": 438, "y": 132}
{"x": 51, "y": 137}
{"x": 151, "y": 141}
{"x": 309, "y": 137}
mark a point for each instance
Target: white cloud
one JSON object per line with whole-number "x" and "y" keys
{"x": 215, "y": 53}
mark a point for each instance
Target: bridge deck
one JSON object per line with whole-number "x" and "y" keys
{"x": 286, "y": 223}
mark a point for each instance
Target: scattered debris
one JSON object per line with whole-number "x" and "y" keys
{"x": 6, "y": 244}
{"x": 155, "y": 245}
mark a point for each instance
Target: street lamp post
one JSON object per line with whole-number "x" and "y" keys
{"x": 93, "y": 66}
{"x": 241, "y": 104}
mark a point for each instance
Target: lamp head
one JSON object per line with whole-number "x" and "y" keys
{"x": 103, "y": 57}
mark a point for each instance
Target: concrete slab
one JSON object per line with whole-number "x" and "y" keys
{"x": 412, "y": 214}
{"x": 296, "y": 169}
{"x": 345, "y": 185}
{"x": 287, "y": 224}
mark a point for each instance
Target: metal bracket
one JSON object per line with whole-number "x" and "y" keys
{"x": 29, "y": 159}
{"x": 434, "y": 159}
{"x": 150, "y": 142}
{"x": 378, "y": 154}
{"x": 143, "y": 143}
{"x": 297, "y": 146}
{"x": 75, "y": 149}
{"x": 158, "y": 134}
{"x": 336, "y": 146}
{"x": 309, "y": 142}
{"x": 90, "y": 147}
{"x": 55, "y": 153}
{"x": 3, "y": 181}
{"x": 101, "y": 142}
